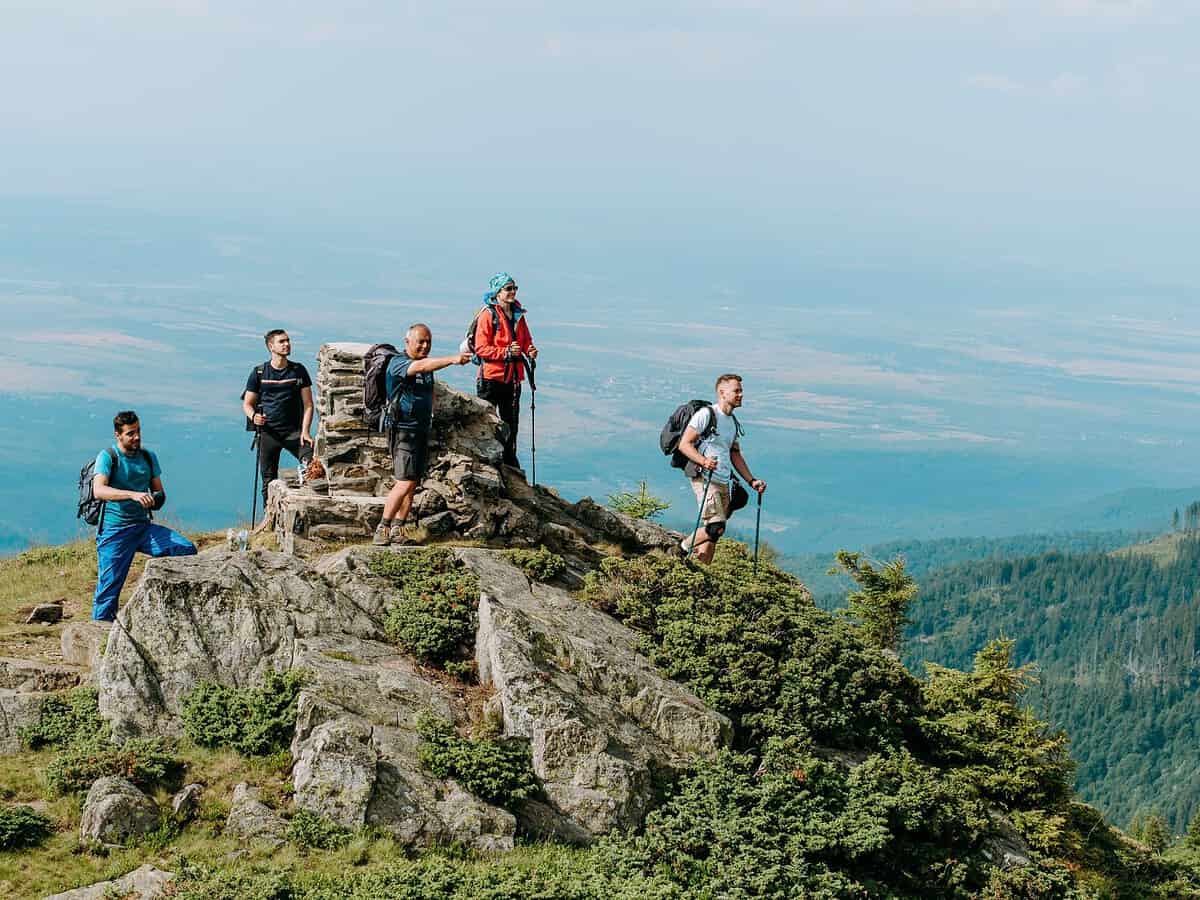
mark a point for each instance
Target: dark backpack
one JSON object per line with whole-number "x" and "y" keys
{"x": 258, "y": 373}
{"x": 90, "y": 509}
{"x": 475, "y": 360}
{"x": 672, "y": 432}
{"x": 375, "y": 397}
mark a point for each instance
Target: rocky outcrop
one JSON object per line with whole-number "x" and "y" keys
{"x": 252, "y": 819}
{"x": 601, "y": 721}
{"x": 466, "y": 492}
{"x": 144, "y": 883}
{"x": 335, "y": 771}
{"x": 186, "y": 801}
{"x": 229, "y": 617}
{"x": 83, "y": 644}
{"x": 24, "y": 684}
{"x": 31, "y": 675}
{"x": 18, "y": 710}
{"x": 116, "y": 812}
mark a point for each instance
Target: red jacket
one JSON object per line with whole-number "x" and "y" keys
{"x": 491, "y": 345}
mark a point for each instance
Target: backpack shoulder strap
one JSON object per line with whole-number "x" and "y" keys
{"x": 112, "y": 458}
{"x": 712, "y": 423}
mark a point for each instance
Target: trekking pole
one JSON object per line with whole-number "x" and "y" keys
{"x": 757, "y": 522}
{"x": 700, "y": 512}
{"x": 256, "y": 445}
{"x": 530, "y": 365}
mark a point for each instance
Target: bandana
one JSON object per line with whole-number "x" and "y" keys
{"x": 497, "y": 281}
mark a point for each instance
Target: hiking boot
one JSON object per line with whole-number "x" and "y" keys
{"x": 407, "y": 534}
{"x": 380, "y": 539}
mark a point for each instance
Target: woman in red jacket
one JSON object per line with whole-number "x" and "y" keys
{"x": 502, "y": 343}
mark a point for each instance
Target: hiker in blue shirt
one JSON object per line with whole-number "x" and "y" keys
{"x": 129, "y": 480}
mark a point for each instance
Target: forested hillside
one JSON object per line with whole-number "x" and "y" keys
{"x": 1115, "y": 639}
{"x": 925, "y": 556}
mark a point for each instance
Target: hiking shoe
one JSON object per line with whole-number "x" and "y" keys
{"x": 380, "y": 539}
{"x": 407, "y": 534}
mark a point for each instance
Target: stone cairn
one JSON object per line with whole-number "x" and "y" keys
{"x": 466, "y": 494}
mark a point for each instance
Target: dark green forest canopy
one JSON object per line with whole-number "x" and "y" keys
{"x": 1114, "y": 637}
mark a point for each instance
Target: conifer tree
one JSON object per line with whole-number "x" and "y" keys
{"x": 1192, "y": 838}
{"x": 881, "y": 603}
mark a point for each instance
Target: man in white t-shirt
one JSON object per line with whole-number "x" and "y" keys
{"x": 717, "y": 452}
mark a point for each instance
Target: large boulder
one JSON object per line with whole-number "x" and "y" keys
{"x": 116, "y": 812}
{"x": 230, "y": 617}
{"x": 18, "y": 710}
{"x": 144, "y": 883}
{"x": 602, "y": 722}
{"x": 251, "y": 819}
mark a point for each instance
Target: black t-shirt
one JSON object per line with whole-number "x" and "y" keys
{"x": 279, "y": 394}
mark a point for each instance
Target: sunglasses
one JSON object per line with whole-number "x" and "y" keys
{"x": 509, "y": 287}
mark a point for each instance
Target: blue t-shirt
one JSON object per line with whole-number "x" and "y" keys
{"x": 410, "y": 397}
{"x": 133, "y": 474}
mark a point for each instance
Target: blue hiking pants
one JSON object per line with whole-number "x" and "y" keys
{"x": 114, "y": 552}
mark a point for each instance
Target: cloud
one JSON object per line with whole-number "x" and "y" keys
{"x": 102, "y": 340}
{"x": 1067, "y": 84}
{"x": 1002, "y": 84}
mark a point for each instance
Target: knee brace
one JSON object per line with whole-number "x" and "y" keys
{"x": 714, "y": 530}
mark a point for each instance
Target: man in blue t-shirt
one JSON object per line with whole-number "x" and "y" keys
{"x": 129, "y": 481}
{"x": 278, "y": 402}
{"x": 409, "y": 416}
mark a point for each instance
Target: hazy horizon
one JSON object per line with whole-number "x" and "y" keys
{"x": 947, "y": 243}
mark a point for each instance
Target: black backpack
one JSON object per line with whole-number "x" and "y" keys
{"x": 90, "y": 509}
{"x": 475, "y": 360}
{"x": 258, "y": 372}
{"x": 375, "y": 397}
{"x": 672, "y": 432}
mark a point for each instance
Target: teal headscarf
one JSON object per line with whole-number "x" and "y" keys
{"x": 497, "y": 281}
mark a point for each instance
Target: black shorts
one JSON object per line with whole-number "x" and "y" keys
{"x": 410, "y": 454}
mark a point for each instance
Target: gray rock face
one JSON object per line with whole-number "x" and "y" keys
{"x": 83, "y": 644}
{"x": 115, "y": 811}
{"x": 145, "y": 883}
{"x": 48, "y": 613}
{"x": 334, "y": 775}
{"x": 18, "y": 709}
{"x": 466, "y": 492}
{"x": 600, "y": 719}
{"x": 230, "y": 617}
{"x": 252, "y": 819}
{"x": 31, "y": 675}
{"x": 186, "y": 800}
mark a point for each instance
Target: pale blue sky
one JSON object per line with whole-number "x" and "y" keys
{"x": 1060, "y": 133}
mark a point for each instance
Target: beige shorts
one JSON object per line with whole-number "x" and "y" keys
{"x": 716, "y": 505}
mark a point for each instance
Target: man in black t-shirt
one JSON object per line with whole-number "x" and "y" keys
{"x": 278, "y": 402}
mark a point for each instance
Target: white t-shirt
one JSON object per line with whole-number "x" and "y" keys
{"x": 719, "y": 443}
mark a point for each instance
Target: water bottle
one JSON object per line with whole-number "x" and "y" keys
{"x": 243, "y": 539}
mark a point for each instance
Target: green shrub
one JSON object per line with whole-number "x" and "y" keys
{"x": 143, "y": 761}
{"x": 22, "y": 826}
{"x": 642, "y": 505}
{"x": 252, "y": 721}
{"x": 539, "y": 564}
{"x": 434, "y": 616}
{"x": 756, "y": 648}
{"x": 63, "y": 718}
{"x": 307, "y": 829}
{"x": 497, "y": 770}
